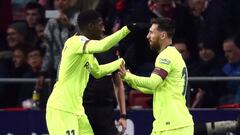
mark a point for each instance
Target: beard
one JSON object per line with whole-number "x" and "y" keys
{"x": 155, "y": 47}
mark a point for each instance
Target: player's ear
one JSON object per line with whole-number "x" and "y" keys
{"x": 163, "y": 35}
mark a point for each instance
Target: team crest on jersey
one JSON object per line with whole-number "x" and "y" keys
{"x": 165, "y": 61}
{"x": 87, "y": 66}
{"x": 84, "y": 39}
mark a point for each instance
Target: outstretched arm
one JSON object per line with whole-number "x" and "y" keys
{"x": 148, "y": 83}
{"x": 141, "y": 89}
{"x": 144, "y": 84}
{"x": 99, "y": 71}
{"x": 97, "y": 46}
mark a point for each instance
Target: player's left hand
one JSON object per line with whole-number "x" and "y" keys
{"x": 136, "y": 27}
{"x": 123, "y": 123}
{"x": 122, "y": 70}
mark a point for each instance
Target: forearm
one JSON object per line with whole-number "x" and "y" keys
{"x": 148, "y": 83}
{"x": 97, "y": 46}
{"x": 105, "y": 69}
{"x": 122, "y": 104}
{"x": 142, "y": 89}
{"x": 120, "y": 90}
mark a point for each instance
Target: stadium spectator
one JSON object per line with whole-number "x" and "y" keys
{"x": 20, "y": 65}
{"x": 17, "y": 34}
{"x": 231, "y": 47}
{"x": 34, "y": 60}
{"x": 197, "y": 8}
{"x": 182, "y": 46}
{"x": 167, "y": 83}
{"x": 17, "y": 70}
{"x": 207, "y": 94}
{"x": 107, "y": 9}
{"x": 34, "y": 12}
{"x": 16, "y": 37}
{"x": 221, "y": 21}
{"x": 41, "y": 38}
{"x": 18, "y": 7}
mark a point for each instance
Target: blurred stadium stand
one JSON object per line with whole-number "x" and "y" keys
{"x": 215, "y": 121}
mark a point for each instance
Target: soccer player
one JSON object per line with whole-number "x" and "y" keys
{"x": 167, "y": 83}
{"x": 65, "y": 114}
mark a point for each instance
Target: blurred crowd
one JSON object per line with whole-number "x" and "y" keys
{"x": 207, "y": 35}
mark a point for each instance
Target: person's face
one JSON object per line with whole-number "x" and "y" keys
{"x": 199, "y": 5}
{"x": 32, "y": 16}
{"x": 13, "y": 37}
{"x": 39, "y": 28}
{"x": 164, "y": 7}
{"x": 97, "y": 29}
{"x": 18, "y": 58}
{"x": 61, "y": 5}
{"x": 232, "y": 52}
{"x": 154, "y": 37}
{"x": 35, "y": 59}
{"x": 182, "y": 48}
{"x": 206, "y": 54}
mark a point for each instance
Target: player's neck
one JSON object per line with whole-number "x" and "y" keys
{"x": 86, "y": 34}
{"x": 165, "y": 44}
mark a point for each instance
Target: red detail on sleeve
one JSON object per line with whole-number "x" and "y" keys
{"x": 161, "y": 72}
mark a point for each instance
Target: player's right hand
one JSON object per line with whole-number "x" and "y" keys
{"x": 122, "y": 70}
{"x": 123, "y": 123}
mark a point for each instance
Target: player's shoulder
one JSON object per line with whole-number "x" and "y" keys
{"x": 77, "y": 38}
{"x": 169, "y": 52}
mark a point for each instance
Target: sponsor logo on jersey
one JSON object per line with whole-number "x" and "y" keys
{"x": 165, "y": 61}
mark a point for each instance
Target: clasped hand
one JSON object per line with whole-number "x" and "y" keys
{"x": 122, "y": 70}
